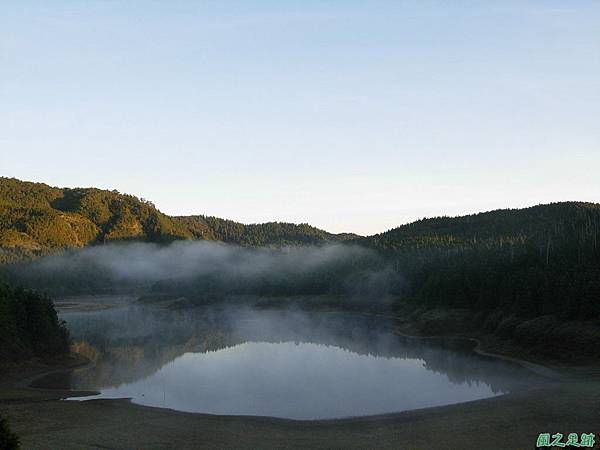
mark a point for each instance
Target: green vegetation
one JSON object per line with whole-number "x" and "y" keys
{"x": 543, "y": 260}
{"x": 8, "y": 440}
{"x": 36, "y": 219}
{"x": 512, "y": 265}
{"x": 29, "y": 326}
{"x": 257, "y": 235}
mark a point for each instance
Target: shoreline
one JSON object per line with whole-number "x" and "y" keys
{"x": 486, "y": 344}
{"x": 74, "y": 361}
{"x": 541, "y": 366}
{"x": 44, "y": 421}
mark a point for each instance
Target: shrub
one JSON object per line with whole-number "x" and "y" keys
{"x": 8, "y": 440}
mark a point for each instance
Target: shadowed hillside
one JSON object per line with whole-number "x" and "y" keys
{"x": 543, "y": 260}
{"x": 543, "y": 226}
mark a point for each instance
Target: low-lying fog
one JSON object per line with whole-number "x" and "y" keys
{"x": 186, "y": 341}
{"x": 207, "y": 267}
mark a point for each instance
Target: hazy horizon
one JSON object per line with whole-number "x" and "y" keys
{"x": 351, "y": 117}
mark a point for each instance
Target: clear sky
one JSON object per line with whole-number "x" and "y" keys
{"x": 351, "y": 115}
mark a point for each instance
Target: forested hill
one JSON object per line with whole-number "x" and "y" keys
{"x": 542, "y": 226}
{"x": 36, "y": 219}
{"x": 264, "y": 234}
{"x": 543, "y": 260}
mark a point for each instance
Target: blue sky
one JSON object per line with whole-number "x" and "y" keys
{"x": 350, "y": 115}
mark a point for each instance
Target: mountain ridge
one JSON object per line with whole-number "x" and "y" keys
{"x": 530, "y": 262}
{"x": 37, "y": 219}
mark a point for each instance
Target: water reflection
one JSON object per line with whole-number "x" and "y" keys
{"x": 283, "y": 364}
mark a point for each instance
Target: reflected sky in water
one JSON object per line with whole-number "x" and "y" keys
{"x": 299, "y": 381}
{"x": 287, "y": 364}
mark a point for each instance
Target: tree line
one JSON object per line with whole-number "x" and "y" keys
{"x": 29, "y": 326}
{"x": 37, "y": 219}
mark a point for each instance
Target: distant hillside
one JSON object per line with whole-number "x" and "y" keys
{"x": 256, "y": 235}
{"x": 37, "y": 219}
{"x": 531, "y": 276}
{"x": 543, "y": 260}
{"x": 544, "y": 226}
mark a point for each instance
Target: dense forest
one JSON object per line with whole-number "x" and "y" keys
{"x": 36, "y": 219}
{"x": 530, "y": 262}
{"x": 543, "y": 260}
{"x": 29, "y": 326}
{"x": 257, "y": 235}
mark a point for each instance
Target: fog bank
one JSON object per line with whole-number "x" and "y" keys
{"x": 208, "y": 267}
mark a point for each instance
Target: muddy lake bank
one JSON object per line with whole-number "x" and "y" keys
{"x": 43, "y": 420}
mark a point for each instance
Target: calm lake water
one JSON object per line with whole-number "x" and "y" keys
{"x": 292, "y": 365}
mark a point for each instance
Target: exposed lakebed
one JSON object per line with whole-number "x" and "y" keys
{"x": 275, "y": 363}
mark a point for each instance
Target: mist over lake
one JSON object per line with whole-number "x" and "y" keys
{"x": 288, "y": 364}
{"x": 299, "y": 225}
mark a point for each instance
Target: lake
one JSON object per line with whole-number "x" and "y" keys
{"x": 274, "y": 363}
